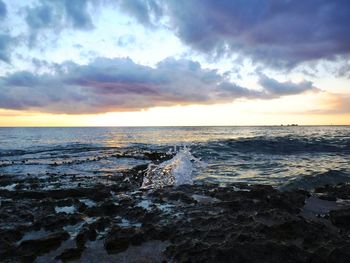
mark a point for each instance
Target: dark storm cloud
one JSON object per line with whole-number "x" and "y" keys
{"x": 5, "y": 46}
{"x": 57, "y": 15}
{"x": 3, "y": 9}
{"x": 228, "y": 89}
{"x": 276, "y": 88}
{"x": 76, "y": 12}
{"x": 120, "y": 84}
{"x": 40, "y": 17}
{"x": 344, "y": 70}
{"x": 22, "y": 79}
{"x": 275, "y": 32}
{"x": 147, "y": 12}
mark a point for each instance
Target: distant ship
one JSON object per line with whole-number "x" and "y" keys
{"x": 289, "y": 125}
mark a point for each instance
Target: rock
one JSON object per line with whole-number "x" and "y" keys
{"x": 260, "y": 252}
{"x": 42, "y": 245}
{"x": 328, "y": 197}
{"x": 246, "y": 223}
{"x": 233, "y": 205}
{"x": 109, "y": 208}
{"x": 86, "y": 233}
{"x": 341, "y": 218}
{"x": 320, "y": 255}
{"x": 157, "y": 233}
{"x": 119, "y": 239}
{"x": 10, "y": 236}
{"x": 340, "y": 191}
{"x": 70, "y": 254}
{"x": 82, "y": 207}
{"x": 57, "y": 221}
{"x": 181, "y": 196}
{"x": 340, "y": 255}
{"x": 138, "y": 238}
{"x": 116, "y": 244}
{"x": 101, "y": 224}
{"x": 158, "y": 156}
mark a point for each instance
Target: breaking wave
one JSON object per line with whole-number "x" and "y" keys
{"x": 281, "y": 145}
{"x": 331, "y": 177}
{"x": 176, "y": 171}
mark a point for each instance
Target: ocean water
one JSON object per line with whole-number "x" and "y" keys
{"x": 298, "y": 156}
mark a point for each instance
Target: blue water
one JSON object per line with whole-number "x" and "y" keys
{"x": 269, "y": 155}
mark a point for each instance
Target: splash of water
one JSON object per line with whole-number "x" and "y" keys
{"x": 176, "y": 171}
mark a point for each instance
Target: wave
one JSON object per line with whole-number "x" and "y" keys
{"x": 259, "y": 144}
{"x": 69, "y": 148}
{"x": 8, "y": 153}
{"x": 331, "y": 177}
{"x": 176, "y": 171}
{"x": 280, "y": 145}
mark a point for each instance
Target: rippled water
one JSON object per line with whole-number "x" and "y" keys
{"x": 271, "y": 155}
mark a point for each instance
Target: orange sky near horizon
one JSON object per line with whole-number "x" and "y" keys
{"x": 310, "y": 109}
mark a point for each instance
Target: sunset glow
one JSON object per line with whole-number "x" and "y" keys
{"x": 144, "y": 63}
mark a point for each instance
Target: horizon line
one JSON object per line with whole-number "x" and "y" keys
{"x": 168, "y": 126}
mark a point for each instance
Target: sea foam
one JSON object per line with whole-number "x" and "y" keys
{"x": 176, "y": 171}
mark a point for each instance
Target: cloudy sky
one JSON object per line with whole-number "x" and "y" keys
{"x": 174, "y": 62}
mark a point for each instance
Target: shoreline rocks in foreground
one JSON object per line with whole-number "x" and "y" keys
{"x": 190, "y": 223}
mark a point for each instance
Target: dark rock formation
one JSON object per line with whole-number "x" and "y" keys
{"x": 198, "y": 223}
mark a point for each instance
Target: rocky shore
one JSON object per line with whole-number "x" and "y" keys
{"x": 118, "y": 222}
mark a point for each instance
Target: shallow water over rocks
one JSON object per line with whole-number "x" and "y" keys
{"x": 188, "y": 223}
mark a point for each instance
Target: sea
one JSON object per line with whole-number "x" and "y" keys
{"x": 285, "y": 157}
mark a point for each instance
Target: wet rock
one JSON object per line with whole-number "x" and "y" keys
{"x": 135, "y": 175}
{"x": 70, "y": 254}
{"x": 101, "y": 224}
{"x": 138, "y": 238}
{"x": 10, "y": 235}
{"x": 320, "y": 255}
{"x": 261, "y": 191}
{"x": 291, "y": 202}
{"x": 118, "y": 239}
{"x": 309, "y": 234}
{"x": 57, "y": 221}
{"x": 197, "y": 251}
{"x": 243, "y": 224}
{"x": 42, "y": 245}
{"x": 328, "y": 197}
{"x": 97, "y": 193}
{"x": 181, "y": 196}
{"x": 340, "y": 191}
{"x": 86, "y": 233}
{"x": 232, "y": 205}
{"x": 82, "y": 207}
{"x": 341, "y": 218}
{"x": 158, "y": 156}
{"x": 138, "y": 213}
{"x": 64, "y": 202}
{"x": 260, "y": 252}
{"x": 107, "y": 208}
{"x": 161, "y": 233}
{"x": 340, "y": 255}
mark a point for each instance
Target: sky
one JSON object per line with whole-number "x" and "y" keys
{"x": 174, "y": 62}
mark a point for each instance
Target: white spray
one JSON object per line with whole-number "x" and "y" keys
{"x": 176, "y": 171}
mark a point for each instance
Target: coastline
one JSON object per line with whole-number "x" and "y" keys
{"x": 88, "y": 195}
{"x": 190, "y": 223}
